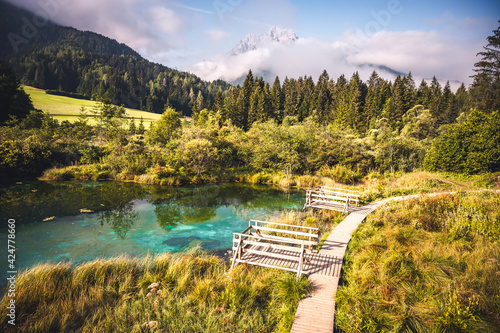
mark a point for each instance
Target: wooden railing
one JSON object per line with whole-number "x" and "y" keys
{"x": 264, "y": 239}
{"x": 331, "y": 198}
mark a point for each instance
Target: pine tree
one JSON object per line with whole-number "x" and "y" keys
{"x": 243, "y": 104}
{"x": 377, "y": 93}
{"x": 410, "y": 93}
{"x": 462, "y": 102}
{"x": 435, "y": 102}
{"x": 341, "y": 102}
{"x": 255, "y": 113}
{"x": 265, "y": 103}
{"x": 447, "y": 104}
{"x": 397, "y": 106}
{"x": 141, "y": 129}
{"x": 321, "y": 97}
{"x": 132, "y": 129}
{"x": 219, "y": 101}
{"x": 423, "y": 95}
{"x": 277, "y": 100}
{"x": 485, "y": 91}
{"x": 357, "y": 95}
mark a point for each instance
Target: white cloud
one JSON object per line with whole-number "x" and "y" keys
{"x": 165, "y": 20}
{"x": 425, "y": 54}
{"x": 217, "y": 35}
{"x": 149, "y": 28}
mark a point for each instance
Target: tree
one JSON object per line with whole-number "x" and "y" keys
{"x": 423, "y": 94}
{"x": 357, "y": 96}
{"x": 141, "y": 129}
{"x": 396, "y": 108}
{"x": 485, "y": 90}
{"x": 469, "y": 147}
{"x": 199, "y": 154}
{"x": 166, "y": 128}
{"x": 435, "y": 103}
{"x": 219, "y": 101}
{"x": 277, "y": 100}
{"x": 13, "y": 100}
{"x": 340, "y": 102}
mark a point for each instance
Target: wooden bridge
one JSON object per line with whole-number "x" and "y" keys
{"x": 331, "y": 198}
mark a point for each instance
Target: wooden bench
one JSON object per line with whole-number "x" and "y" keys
{"x": 284, "y": 243}
{"x": 331, "y": 198}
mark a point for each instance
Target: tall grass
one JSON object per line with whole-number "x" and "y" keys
{"x": 194, "y": 294}
{"x": 425, "y": 265}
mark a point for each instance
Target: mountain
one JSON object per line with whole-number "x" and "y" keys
{"x": 50, "y": 56}
{"x": 275, "y": 35}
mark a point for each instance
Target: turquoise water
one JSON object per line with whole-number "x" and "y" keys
{"x": 53, "y": 222}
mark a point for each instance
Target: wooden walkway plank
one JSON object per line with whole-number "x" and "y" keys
{"x": 316, "y": 312}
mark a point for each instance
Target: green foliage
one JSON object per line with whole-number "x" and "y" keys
{"x": 14, "y": 102}
{"x": 485, "y": 90}
{"x": 199, "y": 155}
{"x": 340, "y": 174}
{"x": 468, "y": 147}
{"x": 165, "y": 129}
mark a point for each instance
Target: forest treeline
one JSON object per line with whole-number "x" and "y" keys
{"x": 348, "y": 103}
{"x": 343, "y": 129}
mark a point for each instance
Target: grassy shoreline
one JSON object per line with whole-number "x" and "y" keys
{"x": 195, "y": 293}
{"x": 373, "y": 187}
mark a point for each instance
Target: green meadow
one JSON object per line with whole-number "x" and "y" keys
{"x": 67, "y": 108}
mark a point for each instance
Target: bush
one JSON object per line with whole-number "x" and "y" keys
{"x": 340, "y": 174}
{"x": 469, "y": 147}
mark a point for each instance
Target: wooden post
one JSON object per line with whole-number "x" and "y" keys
{"x": 240, "y": 240}
{"x": 236, "y": 253}
{"x": 345, "y": 206}
{"x": 301, "y": 261}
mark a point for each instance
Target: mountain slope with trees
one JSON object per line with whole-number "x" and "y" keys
{"x": 50, "y": 56}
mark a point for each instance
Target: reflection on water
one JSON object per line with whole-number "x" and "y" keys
{"x": 104, "y": 219}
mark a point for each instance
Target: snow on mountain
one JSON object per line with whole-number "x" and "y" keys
{"x": 280, "y": 52}
{"x": 274, "y": 35}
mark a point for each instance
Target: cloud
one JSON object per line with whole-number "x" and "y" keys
{"x": 165, "y": 20}
{"x": 150, "y": 28}
{"x": 217, "y": 35}
{"x": 425, "y": 54}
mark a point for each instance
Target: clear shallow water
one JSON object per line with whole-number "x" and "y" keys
{"x": 128, "y": 218}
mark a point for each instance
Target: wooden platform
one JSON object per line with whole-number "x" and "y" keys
{"x": 314, "y": 263}
{"x": 330, "y": 198}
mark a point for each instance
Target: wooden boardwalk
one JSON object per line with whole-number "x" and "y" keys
{"x": 316, "y": 312}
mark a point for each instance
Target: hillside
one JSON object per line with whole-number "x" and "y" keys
{"x": 67, "y": 108}
{"x": 63, "y": 58}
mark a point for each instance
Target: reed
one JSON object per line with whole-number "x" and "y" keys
{"x": 425, "y": 265}
{"x": 193, "y": 294}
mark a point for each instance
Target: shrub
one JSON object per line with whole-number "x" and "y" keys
{"x": 340, "y": 174}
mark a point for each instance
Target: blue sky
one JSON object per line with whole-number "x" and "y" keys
{"x": 407, "y": 35}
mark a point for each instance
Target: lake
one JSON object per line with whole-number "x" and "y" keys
{"x": 81, "y": 221}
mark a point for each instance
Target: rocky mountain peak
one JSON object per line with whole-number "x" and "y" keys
{"x": 274, "y": 35}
